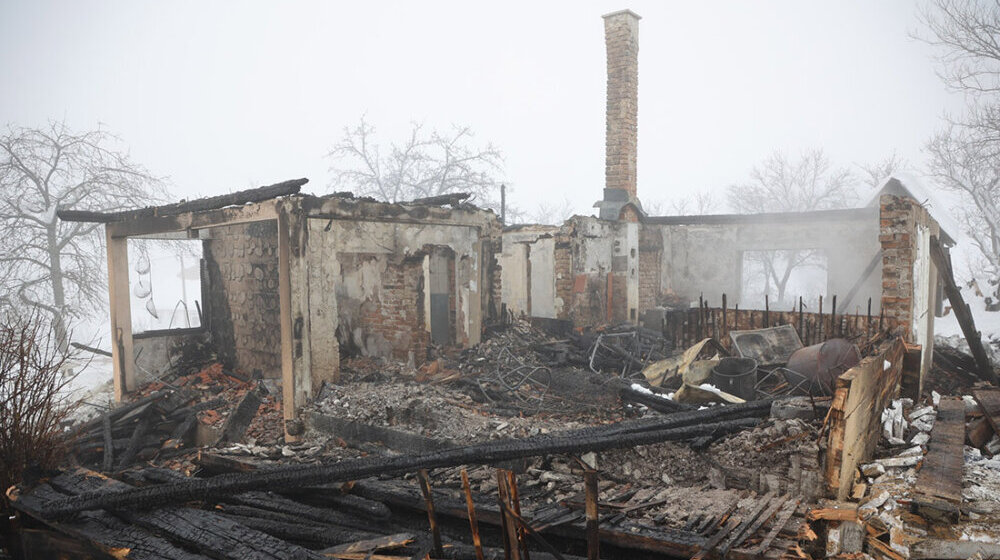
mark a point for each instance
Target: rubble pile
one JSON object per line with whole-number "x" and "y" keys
{"x": 165, "y": 420}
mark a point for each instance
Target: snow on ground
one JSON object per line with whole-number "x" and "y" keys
{"x": 89, "y": 383}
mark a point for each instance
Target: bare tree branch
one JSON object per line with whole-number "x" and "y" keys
{"x": 53, "y": 265}
{"x": 426, "y": 164}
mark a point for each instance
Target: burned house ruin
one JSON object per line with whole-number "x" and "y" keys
{"x": 448, "y": 387}
{"x": 290, "y": 279}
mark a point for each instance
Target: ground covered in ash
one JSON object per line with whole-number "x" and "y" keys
{"x": 660, "y": 484}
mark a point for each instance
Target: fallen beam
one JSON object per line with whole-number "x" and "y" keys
{"x": 305, "y": 475}
{"x": 962, "y": 313}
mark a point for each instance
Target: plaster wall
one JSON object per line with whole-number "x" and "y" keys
{"x": 543, "y": 280}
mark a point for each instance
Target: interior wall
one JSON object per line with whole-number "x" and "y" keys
{"x": 380, "y": 285}
{"x": 242, "y": 296}
{"x": 706, "y": 259}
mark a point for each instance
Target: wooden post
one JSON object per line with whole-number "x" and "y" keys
{"x": 473, "y": 521}
{"x": 725, "y": 323}
{"x": 819, "y": 325}
{"x": 122, "y": 353}
{"x": 285, "y": 315}
{"x": 425, "y": 487}
{"x": 701, "y": 317}
{"x": 508, "y": 525}
{"x": 515, "y": 507}
{"x": 767, "y": 311}
{"x": 802, "y": 323}
{"x": 593, "y": 535}
{"x": 833, "y": 316}
{"x": 868, "y": 321}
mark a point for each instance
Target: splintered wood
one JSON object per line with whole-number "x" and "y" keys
{"x": 938, "y": 491}
{"x": 861, "y": 394}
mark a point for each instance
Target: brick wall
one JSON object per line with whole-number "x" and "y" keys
{"x": 621, "y": 37}
{"x": 563, "y": 265}
{"x": 243, "y": 303}
{"x": 898, "y": 221}
{"x": 396, "y": 314}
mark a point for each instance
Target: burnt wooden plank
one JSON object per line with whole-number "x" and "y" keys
{"x": 102, "y": 530}
{"x": 740, "y": 532}
{"x": 660, "y": 540}
{"x": 938, "y": 492}
{"x": 240, "y": 419}
{"x": 989, "y": 400}
{"x": 397, "y": 540}
{"x": 204, "y": 531}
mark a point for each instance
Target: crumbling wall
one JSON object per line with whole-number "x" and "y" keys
{"x": 601, "y": 270}
{"x": 242, "y": 296}
{"x": 703, "y": 255}
{"x": 650, "y": 270}
{"x": 381, "y": 290}
{"x": 909, "y": 277}
{"x": 563, "y": 265}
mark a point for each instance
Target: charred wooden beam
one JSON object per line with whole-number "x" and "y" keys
{"x": 456, "y": 551}
{"x": 492, "y": 452}
{"x": 388, "y": 542}
{"x": 259, "y": 194}
{"x": 335, "y": 497}
{"x": 962, "y": 313}
{"x": 97, "y": 351}
{"x": 218, "y": 464}
{"x": 297, "y": 532}
{"x": 240, "y": 419}
{"x": 119, "y": 412}
{"x": 134, "y": 442}
{"x": 653, "y": 402}
{"x": 661, "y": 540}
{"x": 103, "y": 530}
{"x": 109, "y": 446}
{"x": 442, "y": 199}
{"x": 273, "y": 502}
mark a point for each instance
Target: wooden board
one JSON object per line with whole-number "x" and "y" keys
{"x": 938, "y": 492}
{"x": 861, "y": 394}
{"x": 989, "y": 400}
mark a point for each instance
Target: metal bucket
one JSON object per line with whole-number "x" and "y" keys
{"x": 736, "y": 376}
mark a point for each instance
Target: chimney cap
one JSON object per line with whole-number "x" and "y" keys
{"x": 626, "y": 11}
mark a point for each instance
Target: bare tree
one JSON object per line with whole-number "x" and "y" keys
{"x": 874, "y": 174}
{"x": 553, "y": 214}
{"x": 781, "y": 185}
{"x": 426, "y": 163}
{"x": 967, "y": 34}
{"x": 964, "y": 163}
{"x": 963, "y": 155}
{"x": 51, "y": 265}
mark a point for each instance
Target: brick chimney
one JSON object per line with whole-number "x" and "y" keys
{"x": 621, "y": 36}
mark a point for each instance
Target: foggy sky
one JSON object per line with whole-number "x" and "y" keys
{"x": 220, "y": 96}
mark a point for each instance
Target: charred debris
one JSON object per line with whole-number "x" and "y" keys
{"x": 542, "y": 441}
{"x": 419, "y": 380}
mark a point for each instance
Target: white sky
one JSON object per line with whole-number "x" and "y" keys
{"x": 220, "y": 96}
